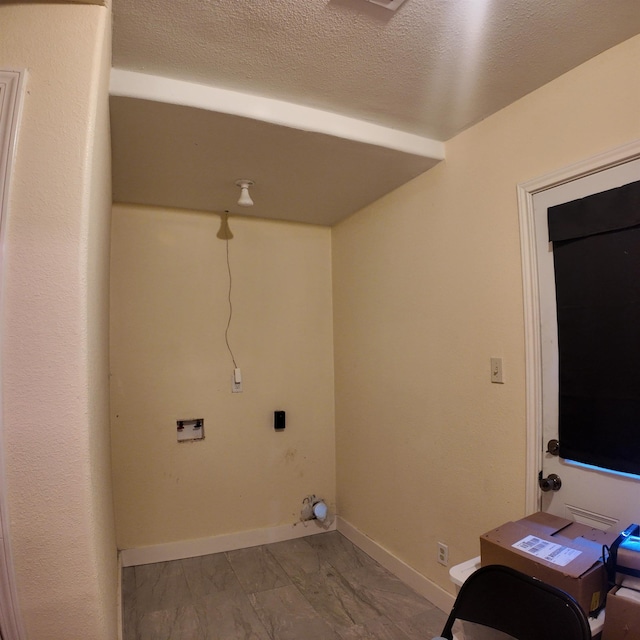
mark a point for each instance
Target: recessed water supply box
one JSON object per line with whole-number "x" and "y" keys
{"x": 190, "y": 429}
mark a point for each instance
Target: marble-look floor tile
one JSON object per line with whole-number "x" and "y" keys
{"x": 334, "y": 548}
{"x": 428, "y": 624}
{"x": 317, "y": 588}
{"x": 257, "y": 569}
{"x": 228, "y": 615}
{"x": 288, "y": 616}
{"x": 378, "y": 629}
{"x": 334, "y": 598}
{"x": 128, "y": 582}
{"x": 386, "y": 593}
{"x": 160, "y": 587}
{"x": 129, "y": 599}
{"x": 129, "y": 623}
{"x": 297, "y": 557}
{"x": 171, "y": 624}
{"x": 209, "y": 574}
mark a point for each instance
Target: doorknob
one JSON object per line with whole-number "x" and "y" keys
{"x": 551, "y": 483}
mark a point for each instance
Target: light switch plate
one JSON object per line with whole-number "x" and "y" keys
{"x": 496, "y": 371}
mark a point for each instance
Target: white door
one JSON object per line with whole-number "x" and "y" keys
{"x": 600, "y": 498}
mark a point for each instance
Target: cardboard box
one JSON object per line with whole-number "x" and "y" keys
{"x": 622, "y": 615}
{"x": 560, "y": 552}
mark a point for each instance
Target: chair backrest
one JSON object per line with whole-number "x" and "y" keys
{"x": 519, "y": 605}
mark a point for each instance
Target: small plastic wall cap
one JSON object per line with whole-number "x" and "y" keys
{"x": 320, "y": 510}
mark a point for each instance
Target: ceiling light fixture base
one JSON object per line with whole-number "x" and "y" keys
{"x": 388, "y": 4}
{"x": 245, "y": 199}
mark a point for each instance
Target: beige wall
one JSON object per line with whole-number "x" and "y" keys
{"x": 427, "y": 287}
{"x": 169, "y": 361}
{"x": 55, "y": 385}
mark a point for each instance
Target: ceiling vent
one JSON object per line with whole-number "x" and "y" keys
{"x": 388, "y": 4}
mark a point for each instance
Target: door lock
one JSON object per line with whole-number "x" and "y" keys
{"x": 553, "y": 447}
{"x": 551, "y": 483}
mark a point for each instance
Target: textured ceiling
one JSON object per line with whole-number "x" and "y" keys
{"x": 432, "y": 68}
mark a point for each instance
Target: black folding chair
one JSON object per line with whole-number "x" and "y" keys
{"x": 521, "y": 606}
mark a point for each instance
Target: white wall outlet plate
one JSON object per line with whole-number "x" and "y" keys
{"x": 236, "y": 381}
{"x": 443, "y": 554}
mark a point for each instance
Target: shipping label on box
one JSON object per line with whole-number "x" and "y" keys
{"x": 549, "y": 551}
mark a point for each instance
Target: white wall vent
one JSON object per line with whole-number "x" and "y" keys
{"x": 388, "y": 4}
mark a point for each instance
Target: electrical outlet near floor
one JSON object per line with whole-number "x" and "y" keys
{"x": 443, "y": 554}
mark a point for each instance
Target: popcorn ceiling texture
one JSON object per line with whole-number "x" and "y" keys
{"x": 432, "y": 68}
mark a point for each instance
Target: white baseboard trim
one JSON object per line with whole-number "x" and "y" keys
{"x": 431, "y": 591}
{"x": 119, "y": 597}
{"x": 218, "y": 544}
{"x": 253, "y": 538}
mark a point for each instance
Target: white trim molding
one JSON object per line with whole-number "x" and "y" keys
{"x": 11, "y": 92}
{"x": 218, "y": 544}
{"x": 533, "y": 340}
{"x": 119, "y": 612}
{"x": 143, "y": 86}
{"x": 12, "y": 85}
{"x": 419, "y": 583}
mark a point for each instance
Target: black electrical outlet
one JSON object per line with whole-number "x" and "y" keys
{"x": 278, "y": 420}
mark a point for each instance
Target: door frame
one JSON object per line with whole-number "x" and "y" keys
{"x": 531, "y": 301}
{"x": 12, "y": 84}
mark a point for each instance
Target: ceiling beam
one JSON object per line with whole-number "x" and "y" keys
{"x": 131, "y": 84}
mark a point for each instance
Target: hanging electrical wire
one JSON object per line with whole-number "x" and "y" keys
{"x": 226, "y": 331}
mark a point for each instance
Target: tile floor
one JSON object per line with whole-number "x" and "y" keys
{"x": 316, "y": 588}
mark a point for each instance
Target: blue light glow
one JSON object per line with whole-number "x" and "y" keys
{"x": 612, "y": 472}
